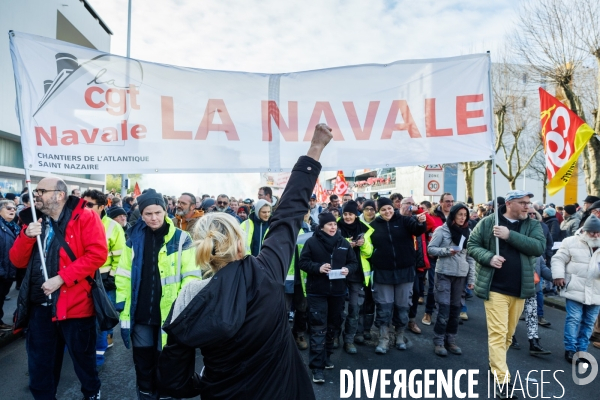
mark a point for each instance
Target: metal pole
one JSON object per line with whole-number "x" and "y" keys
{"x": 38, "y": 238}
{"x": 494, "y": 151}
{"x": 124, "y": 176}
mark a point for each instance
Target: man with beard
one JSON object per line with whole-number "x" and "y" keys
{"x": 186, "y": 214}
{"x": 504, "y": 275}
{"x": 58, "y": 311}
{"x": 222, "y": 205}
{"x": 575, "y": 270}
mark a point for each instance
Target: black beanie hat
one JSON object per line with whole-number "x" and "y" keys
{"x": 324, "y": 218}
{"x": 351, "y": 207}
{"x": 384, "y": 201}
{"x": 150, "y": 198}
{"x": 369, "y": 203}
{"x": 570, "y": 209}
{"x": 116, "y": 211}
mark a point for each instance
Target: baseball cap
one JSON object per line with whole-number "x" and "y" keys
{"x": 248, "y": 201}
{"x": 313, "y": 196}
{"x": 516, "y": 194}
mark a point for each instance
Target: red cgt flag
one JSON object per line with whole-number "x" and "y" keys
{"x": 320, "y": 192}
{"x": 136, "y": 190}
{"x": 565, "y": 136}
{"x": 341, "y": 187}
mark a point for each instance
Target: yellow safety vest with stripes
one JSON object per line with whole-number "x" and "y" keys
{"x": 366, "y": 251}
{"x": 176, "y": 266}
{"x": 115, "y": 238}
{"x": 248, "y": 227}
{"x": 291, "y": 275}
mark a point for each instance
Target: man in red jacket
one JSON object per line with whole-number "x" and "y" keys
{"x": 59, "y": 311}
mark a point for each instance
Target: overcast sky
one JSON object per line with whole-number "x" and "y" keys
{"x": 285, "y": 36}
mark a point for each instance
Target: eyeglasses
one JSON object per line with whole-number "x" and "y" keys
{"x": 10, "y": 208}
{"x": 41, "y": 192}
{"x": 448, "y": 201}
{"x": 90, "y": 205}
{"x": 524, "y": 203}
{"x": 369, "y": 209}
{"x": 222, "y": 203}
{"x": 532, "y": 214}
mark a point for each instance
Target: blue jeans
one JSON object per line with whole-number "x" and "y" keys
{"x": 540, "y": 303}
{"x": 579, "y": 325}
{"x": 46, "y": 342}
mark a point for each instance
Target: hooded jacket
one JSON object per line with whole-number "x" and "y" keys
{"x": 570, "y": 225}
{"x": 239, "y": 320}
{"x": 394, "y": 256}
{"x": 554, "y": 227}
{"x": 7, "y": 238}
{"x": 315, "y": 254}
{"x": 459, "y": 264}
{"x": 577, "y": 263}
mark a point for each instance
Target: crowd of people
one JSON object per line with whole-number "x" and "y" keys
{"x": 356, "y": 271}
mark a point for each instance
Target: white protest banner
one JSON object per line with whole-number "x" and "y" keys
{"x": 85, "y": 111}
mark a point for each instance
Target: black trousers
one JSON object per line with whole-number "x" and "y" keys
{"x": 325, "y": 316}
{"x": 46, "y": 342}
{"x": 145, "y": 343}
{"x": 5, "y": 285}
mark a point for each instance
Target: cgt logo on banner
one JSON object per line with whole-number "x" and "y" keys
{"x": 79, "y": 108}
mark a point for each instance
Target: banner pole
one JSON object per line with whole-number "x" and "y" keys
{"x": 493, "y": 157}
{"x": 495, "y": 202}
{"x": 124, "y": 176}
{"x": 38, "y": 238}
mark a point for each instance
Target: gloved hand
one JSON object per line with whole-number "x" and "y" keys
{"x": 125, "y": 334}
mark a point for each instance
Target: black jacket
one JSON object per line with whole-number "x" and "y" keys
{"x": 7, "y": 238}
{"x": 239, "y": 320}
{"x": 394, "y": 257}
{"x": 314, "y": 255}
{"x": 554, "y": 227}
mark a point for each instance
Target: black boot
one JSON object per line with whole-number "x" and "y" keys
{"x": 515, "y": 345}
{"x": 536, "y": 349}
{"x": 569, "y": 356}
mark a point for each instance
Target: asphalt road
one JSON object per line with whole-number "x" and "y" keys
{"x": 118, "y": 377}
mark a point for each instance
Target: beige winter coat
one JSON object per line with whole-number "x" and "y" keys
{"x": 575, "y": 263}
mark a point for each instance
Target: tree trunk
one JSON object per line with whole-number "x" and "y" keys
{"x": 544, "y": 191}
{"x": 469, "y": 188}
{"x": 488, "y": 181}
{"x": 513, "y": 183}
{"x": 591, "y": 153}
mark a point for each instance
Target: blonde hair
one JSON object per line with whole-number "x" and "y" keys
{"x": 218, "y": 239}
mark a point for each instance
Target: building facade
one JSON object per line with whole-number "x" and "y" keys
{"x": 73, "y": 21}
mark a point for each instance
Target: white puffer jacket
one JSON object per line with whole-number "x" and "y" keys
{"x": 578, "y": 266}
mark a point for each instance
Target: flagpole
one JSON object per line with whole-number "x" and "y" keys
{"x": 495, "y": 200}
{"x": 38, "y": 238}
{"x": 124, "y": 176}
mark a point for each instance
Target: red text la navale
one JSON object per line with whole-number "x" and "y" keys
{"x": 115, "y": 102}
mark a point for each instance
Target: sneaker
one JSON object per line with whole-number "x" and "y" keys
{"x": 504, "y": 392}
{"x": 350, "y": 348}
{"x": 440, "y": 351}
{"x": 464, "y": 316}
{"x": 421, "y": 300}
{"x": 5, "y": 327}
{"x": 94, "y": 397}
{"x": 318, "y": 376}
{"x": 426, "y": 319}
{"x": 109, "y": 340}
{"x": 542, "y": 322}
{"x": 301, "y": 343}
{"x": 328, "y": 363}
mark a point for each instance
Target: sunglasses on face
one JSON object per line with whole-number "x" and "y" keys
{"x": 10, "y": 208}
{"x": 90, "y": 205}
{"x": 532, "y": 214}
{"x": 222, "y": 203}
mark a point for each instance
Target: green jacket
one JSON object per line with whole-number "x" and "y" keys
{"x": 530, "y": 242}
